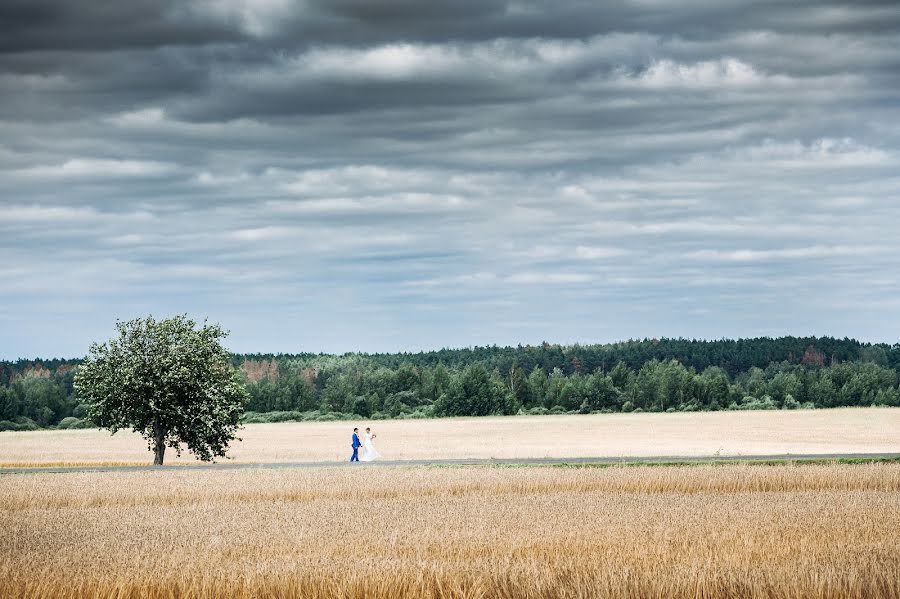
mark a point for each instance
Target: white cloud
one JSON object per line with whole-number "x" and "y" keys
{"x": 498, "y": 59}
{"x": 818, "y": 251}
{"x": 839, "y": 202}
{"x": 535, "y": 277}
{"x": 596, "y": 253}
{"x": 268, "y": 233}
{"x": 99, "y": 168}
{"x": 129, "y": 239}
{"x": 822, "y": 153}
{"x": 331, "y": 240}
{"x": 391, "y": 61}
{"x": 256, "y": 17}
{"x": 396, "y": 203}
{"x": 483, "y": 279}
{"x": 480, "y": 278}
{"x": 217, "y": 179}
{"x": 139, "y": 118}
{"x": 353, "y": 178}
{"x": 720, "y": 73}
{"x": 40, "y": 213}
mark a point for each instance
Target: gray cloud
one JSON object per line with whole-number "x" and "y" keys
{"x": 396, "y": 174}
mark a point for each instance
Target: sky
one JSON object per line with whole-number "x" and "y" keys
{"x": 384, "y": 175}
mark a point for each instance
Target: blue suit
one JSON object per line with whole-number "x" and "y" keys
{"x": 355, "y": 444}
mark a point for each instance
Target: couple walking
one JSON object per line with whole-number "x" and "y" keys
{"x": 369, "y": 452}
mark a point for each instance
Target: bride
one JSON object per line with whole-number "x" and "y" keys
{"x": 369, "y": 452}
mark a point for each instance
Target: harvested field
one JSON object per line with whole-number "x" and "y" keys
{"x": 698, "y": 531}
{"x": 848, "y": 430}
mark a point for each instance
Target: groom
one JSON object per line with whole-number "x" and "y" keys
{"x": 355, "y": 444}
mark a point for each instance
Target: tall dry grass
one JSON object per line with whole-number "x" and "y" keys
{"x": 709, "y": 531}
{"x": 845, "y": 430}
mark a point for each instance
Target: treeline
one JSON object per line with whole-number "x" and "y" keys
{"x": 647, "y": 375}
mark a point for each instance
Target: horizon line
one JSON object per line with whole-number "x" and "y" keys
{"x": 517, "y": 346}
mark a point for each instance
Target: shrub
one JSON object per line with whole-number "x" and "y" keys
{"x": 254, "y": 417}
{"x": 286, "y": 416}
{"x": 415, "y": 415}
{"x": 27, "y": 423}
{"x": 20, "y": 423}
{"x": 790, "y": 403}
{"x": 752, "y": 403}
{"x": 295, "y": 416}
{"x": 68, "y": 422}
{"x": 330, "y": 416}
{"x": 538, "y": 411}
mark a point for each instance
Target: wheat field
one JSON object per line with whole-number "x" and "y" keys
{"x": 698, "y": 531}
{"x": 846, "y": 430}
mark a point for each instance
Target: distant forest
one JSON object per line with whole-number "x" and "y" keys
{"x": 659, "y": 375}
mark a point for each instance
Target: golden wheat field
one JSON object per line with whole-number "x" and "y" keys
{"x": 848, "y": 430}
{"x": 691, "y": 531}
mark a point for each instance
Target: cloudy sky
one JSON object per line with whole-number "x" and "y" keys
{"x": 342, "y": 175}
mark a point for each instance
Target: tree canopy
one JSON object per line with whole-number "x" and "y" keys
{"x": 168, "y": 380}
{"x": 647, "y": 375}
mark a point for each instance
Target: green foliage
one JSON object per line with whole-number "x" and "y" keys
{"x": 648, "y": 375}
{"x": 67, "y": 422}
{"x": 71, "y": 422}
{"x": 20, "y": 423}
{"x": 475, "y": 392}
{"x": 601, "y": 394}
{"x": 167, "y": 380}
{"x": 752, "y": 403}
{"x": 518, "y": 385}
{"x": 360, "y": 407}
{"x": 338, "y": 394}
{"x": 537, "y": 388}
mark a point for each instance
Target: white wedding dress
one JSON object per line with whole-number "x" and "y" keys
{"x": 369, "y": 452}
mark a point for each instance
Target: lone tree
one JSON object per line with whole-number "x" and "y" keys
{"x": 169, "y": 381}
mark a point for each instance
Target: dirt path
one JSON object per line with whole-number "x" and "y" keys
{"x": 465, "y": 462}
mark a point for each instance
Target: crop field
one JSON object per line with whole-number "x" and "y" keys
{"x": 824, "y": 530}
{"x": 848, "y": 430}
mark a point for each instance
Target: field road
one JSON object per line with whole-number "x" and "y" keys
{"x": 464, "y": 462}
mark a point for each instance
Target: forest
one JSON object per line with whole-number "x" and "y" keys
{"x": 660, "y": 375}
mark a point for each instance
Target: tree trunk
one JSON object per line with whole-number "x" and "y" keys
{"x": 159, "y": 447}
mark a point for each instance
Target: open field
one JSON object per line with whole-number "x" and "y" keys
{"x": 700, "y": 531}
{"x": 847, "y": 430}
